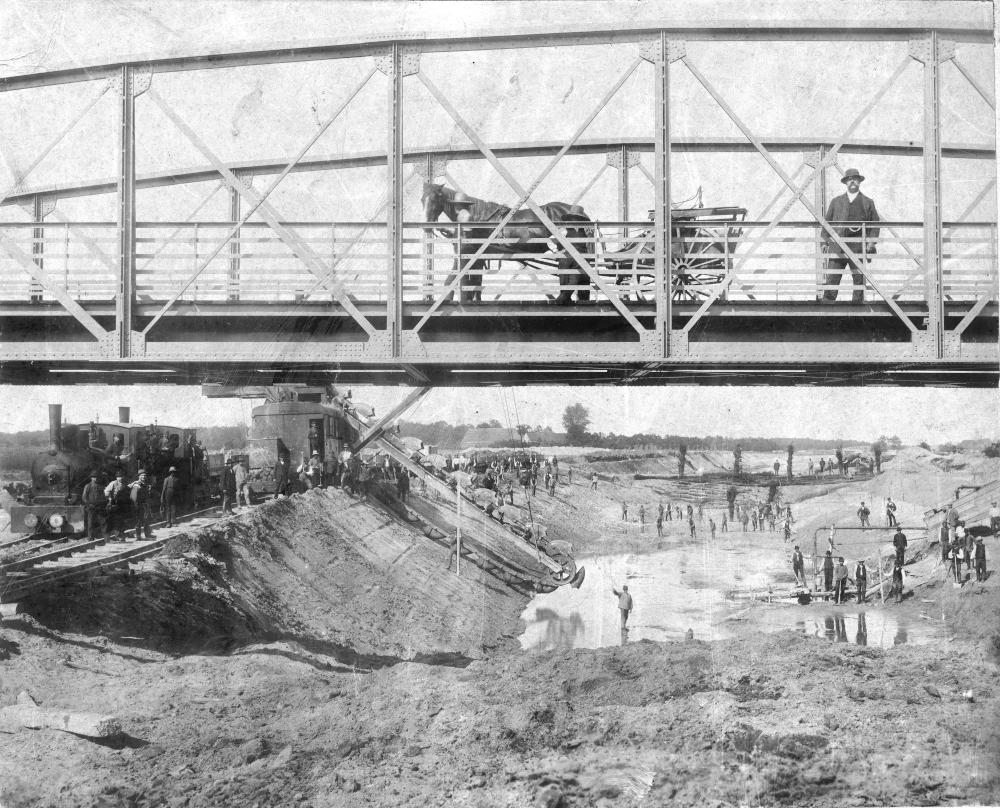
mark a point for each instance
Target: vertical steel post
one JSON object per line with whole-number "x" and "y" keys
{"x": 37, "y": 245}
{"x": 933, "y": 265}
{"x": 623, "y": 189}
{"x": 427, "y": 240}
{"x": 819, "y": 202}
{"x": 661, "y": 214}
{"x": 394, "y": 216}
{"x": 235, "y": 246}
{"x": 124, "y": 315}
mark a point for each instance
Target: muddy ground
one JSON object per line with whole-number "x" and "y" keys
{"x": 256, "y": 667}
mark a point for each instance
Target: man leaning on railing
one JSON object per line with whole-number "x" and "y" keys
{"x": 856, "y": 208}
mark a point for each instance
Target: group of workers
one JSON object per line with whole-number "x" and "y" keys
{"x": 836, "y": 575}
{"x": 761, "y": 515}
{"x": 958, "y": 545}
{"x": 110, "y": 510}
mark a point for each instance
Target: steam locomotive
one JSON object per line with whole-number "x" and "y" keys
{"x": 76, "y": 452}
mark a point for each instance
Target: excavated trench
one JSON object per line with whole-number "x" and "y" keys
{"x": 339, "y": 576}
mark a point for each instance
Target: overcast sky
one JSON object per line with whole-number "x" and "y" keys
{"x": 932, "y": 414}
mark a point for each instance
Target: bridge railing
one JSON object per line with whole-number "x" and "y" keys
{"x": 80, "y": 257}
{"x": 786, "y": 264}
{"x": 789, "y": 263}
{"x": 258, "y": 266}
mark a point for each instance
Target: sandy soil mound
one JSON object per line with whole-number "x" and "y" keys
{"x": 324, "y": 569}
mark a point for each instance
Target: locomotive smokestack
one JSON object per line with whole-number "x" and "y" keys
{"x": 123, "y": 414}
{"x": 55, "y": 428}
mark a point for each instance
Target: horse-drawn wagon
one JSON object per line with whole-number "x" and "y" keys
{"x": 486, "y": 234}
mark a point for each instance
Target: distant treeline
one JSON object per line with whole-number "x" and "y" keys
{"x": 448, "y": 437}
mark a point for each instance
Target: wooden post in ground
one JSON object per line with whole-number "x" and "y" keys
{"x": 458, "y": 531}
{"x": 881, "y": 588}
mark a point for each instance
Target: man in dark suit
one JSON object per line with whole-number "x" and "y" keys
{"x": 281, "y": 476}
{"x": 853, "y": 207}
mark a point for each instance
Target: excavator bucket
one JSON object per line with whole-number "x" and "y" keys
{"x": 578, "y": 579}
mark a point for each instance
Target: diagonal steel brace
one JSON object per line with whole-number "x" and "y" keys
{"x": 266, "y": 212}
{"x": 797, "y": 193}
{"x": 56, "y": 291}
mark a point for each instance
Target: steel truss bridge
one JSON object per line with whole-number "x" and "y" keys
{"x": 260, "y": 299}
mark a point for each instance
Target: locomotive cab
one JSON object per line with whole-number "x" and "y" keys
{"x": 295, "y": 429}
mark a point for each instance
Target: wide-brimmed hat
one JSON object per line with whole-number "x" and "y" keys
{"x": 463, "y": 200}
{"x": 852, "y": 174}
{"x": 172, "y": 469}
{"x": 315, "y": 453}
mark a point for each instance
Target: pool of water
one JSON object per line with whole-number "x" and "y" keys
{"x": 683, "y": 588}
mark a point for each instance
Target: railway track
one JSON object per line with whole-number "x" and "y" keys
{"x": 60, "y": 561}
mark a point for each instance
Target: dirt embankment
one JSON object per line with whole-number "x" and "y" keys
{"x": 323, "y": 569}
{"x": 776, "y": 719}
{"x": 780, "y": 719}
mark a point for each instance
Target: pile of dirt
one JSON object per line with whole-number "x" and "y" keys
{"x": 325, "y": 569}
{"x": 781, "y": 719}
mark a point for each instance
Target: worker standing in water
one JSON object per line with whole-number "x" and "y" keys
{"x": 624, "y": 605}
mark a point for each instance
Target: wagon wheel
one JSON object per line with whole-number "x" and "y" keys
{"x": 637, "y": 271}
{"x": 699, "y": 264}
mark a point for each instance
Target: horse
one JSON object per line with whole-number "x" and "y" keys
{"x": 523, "y": 228}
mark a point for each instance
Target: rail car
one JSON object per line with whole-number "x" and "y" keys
{"x": 53, "y": 505}
{"x": 307, "y": 421}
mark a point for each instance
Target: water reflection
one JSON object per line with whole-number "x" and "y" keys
{"x": 888, "y": 631}
{"x": 861, "y": 638}
{"x": 560, "y": 632}
{"x": 667, "y": 603}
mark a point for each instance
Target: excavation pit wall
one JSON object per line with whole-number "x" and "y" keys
{"x": 335, "y": 574}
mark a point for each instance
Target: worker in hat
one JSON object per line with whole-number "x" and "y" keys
{"x": 980, "y": 555}
{"x": 310, "y": 471}
{"x": 93, "y": 504}
{"x": 994, "y": 519}
{"x": 228, "y": 487}
{"x": 848, "y": 214}
{"x": 799, "y": 566}
{"x": 861, "y": 579}
{"x": 169, "y": 496}
{"x": 624, "y": 605}
{"x": 242, "y": 484}
{"x": 117, "y": 495}
{"x": 139, "y": 494}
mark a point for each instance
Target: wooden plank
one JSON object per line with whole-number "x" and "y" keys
{"x": 29, "y": 716}
{"x": 973, "y": 507}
